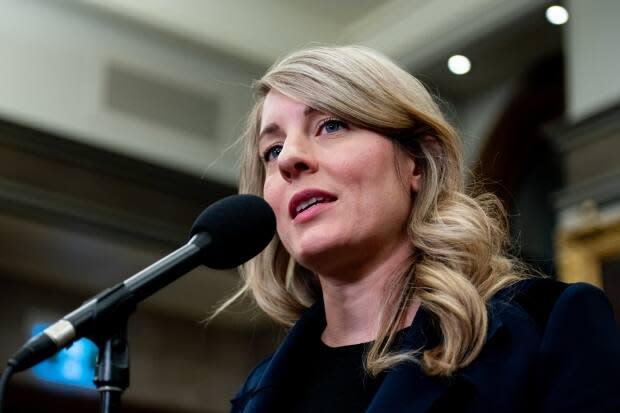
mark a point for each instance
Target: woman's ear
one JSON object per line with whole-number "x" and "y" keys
{"x": 431, "y": 147}
{"x": 408, "y": 170}
{"x": 416, "y": 177}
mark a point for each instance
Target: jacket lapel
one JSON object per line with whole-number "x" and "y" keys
{"x": 287, "y": 362}
{"x": 406, "y": 387}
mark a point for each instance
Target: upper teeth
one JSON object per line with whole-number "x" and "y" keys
{"x": 308, "y": 203}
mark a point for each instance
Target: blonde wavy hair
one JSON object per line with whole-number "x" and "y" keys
{"x": 459, "y": 240}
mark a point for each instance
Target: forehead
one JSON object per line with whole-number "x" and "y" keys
{"x": 278, "y": 107}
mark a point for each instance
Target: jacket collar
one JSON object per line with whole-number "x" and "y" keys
{"x": 290, "y": 354}
{"x": 286, "y": 362}
{"x": 424, "y": 390}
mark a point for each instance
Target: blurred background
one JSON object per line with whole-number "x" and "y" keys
{"x": 118, "y": 121}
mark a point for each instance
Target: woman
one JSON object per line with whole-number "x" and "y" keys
{"x": 394, "y": 280}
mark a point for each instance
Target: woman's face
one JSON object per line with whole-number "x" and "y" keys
{"x": 335, "y": 189}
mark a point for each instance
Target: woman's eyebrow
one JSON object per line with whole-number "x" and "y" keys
{"x": 308, "y": 110}
{"x": 273, "y": 127}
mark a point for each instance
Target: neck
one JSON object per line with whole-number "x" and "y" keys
{"x": 354, "y": 299}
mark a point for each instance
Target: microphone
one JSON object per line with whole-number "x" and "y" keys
{"x": 225, "y": 235}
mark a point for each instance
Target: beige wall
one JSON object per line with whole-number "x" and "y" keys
{"x": 593, "y": 56}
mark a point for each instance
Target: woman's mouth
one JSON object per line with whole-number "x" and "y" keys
{"x": 307, "y": 199}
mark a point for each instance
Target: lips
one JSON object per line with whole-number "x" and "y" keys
{"x": 305, "y": 200}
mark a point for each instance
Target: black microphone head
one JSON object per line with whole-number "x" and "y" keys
{"x": 240, "y": 227}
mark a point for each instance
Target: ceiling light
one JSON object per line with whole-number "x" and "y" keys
{"x": 557, "y": 15}
{"x": 459, "y": 64}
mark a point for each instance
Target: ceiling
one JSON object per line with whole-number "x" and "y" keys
{"x": 499, "y": 56}
{"x": 418, "y": 33}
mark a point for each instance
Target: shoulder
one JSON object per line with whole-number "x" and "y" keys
{"x": 281, "y": 368}
{"x": 572, "y": 316}
{"x": 252, "y": 382}
{"x": 574, "y": 342}
{"x": 548, "y": 303}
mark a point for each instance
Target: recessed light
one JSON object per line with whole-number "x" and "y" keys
{"x": 459, "y": 64}
{"x": 557, "y": 15}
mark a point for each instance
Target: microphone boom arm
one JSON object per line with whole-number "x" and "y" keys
{"x": 91, "y": 318}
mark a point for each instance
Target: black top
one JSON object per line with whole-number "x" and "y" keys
{"x": 335, "y": 380}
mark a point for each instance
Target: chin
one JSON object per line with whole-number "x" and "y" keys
{"x": 310, "y": 255}
{"x": 314, "y": 253}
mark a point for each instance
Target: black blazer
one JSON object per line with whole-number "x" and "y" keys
{"x": 551, "y": 347}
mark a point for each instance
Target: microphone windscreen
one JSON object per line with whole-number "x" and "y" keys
{"x": 240, "y": 227}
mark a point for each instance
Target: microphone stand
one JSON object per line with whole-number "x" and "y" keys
{"x": 112, "y": 370}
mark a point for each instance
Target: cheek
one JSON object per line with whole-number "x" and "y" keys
{"x": 275, "y": 197}
{"x": 372, "y": 172}
{"x": 361, "y": 168}
{"x": 383, "y": 189}
{"x": 273, "y": 194}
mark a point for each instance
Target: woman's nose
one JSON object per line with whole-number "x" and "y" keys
{"x": 296, "y": 158}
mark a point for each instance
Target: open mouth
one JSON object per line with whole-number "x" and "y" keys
{"x": 305, "y": 200}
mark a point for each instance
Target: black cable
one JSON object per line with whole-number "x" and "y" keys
{"x": 6, "y": 376}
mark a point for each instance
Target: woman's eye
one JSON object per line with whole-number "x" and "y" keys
{"x": 272, "y": 153}
{"x": 332, "y": 125}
